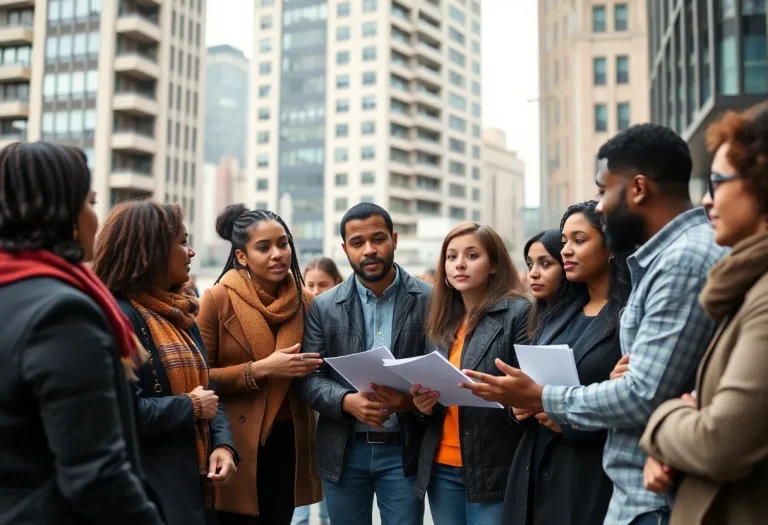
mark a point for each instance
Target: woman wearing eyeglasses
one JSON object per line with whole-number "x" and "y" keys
{"x": 715, "y": 443}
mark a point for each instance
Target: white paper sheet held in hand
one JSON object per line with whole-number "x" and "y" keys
{"x": 548, "y": 365}
{"x": 435, "y": 372}
{"x": 364, "y": 368}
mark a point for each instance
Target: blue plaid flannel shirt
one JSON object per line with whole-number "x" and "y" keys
{"x": 666, "y": 332}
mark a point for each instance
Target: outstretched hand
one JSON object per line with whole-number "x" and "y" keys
{"x": 513, "y": 389}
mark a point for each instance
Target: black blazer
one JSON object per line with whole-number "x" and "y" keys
{"x": 488, "y": 436}
{"x": 571, "y": 487}
{"x": 68, "y": 445}
{"x": 166, "y": 432}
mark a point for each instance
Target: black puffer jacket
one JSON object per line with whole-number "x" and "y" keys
{"x": 488, "y": 436}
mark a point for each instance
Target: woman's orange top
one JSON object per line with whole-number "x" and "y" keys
{"x": 449, "y": 451}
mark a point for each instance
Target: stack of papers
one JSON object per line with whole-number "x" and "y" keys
{"x": 431, "y": 371}
{"x": 548, "y": 365}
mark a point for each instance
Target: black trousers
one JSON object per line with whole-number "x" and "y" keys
{"x": 275, "y": 479}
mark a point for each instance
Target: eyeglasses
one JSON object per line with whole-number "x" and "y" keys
{"x": 716, "y": 179}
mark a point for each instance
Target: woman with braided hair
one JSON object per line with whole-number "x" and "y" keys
{"x": 143, "y": 256}
{"x": 68, "y": 446}
{"x": 252, "y": 321}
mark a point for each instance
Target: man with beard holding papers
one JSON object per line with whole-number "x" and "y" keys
{"x": 367, "y": 443}
{"x": 643, "y": 179}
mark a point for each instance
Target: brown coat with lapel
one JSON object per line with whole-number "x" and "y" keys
{"x": 228, "y": 350}
{"x": 723, "y": 446}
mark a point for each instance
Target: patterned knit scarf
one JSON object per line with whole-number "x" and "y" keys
{"x": 257, "y": 311}
{"x": 169, "y": 317}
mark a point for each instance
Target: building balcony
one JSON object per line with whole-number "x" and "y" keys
{"x": 136, "y": 104}
{"x": 14, "y": 109}
{"x": 429, "y": 99}
{"x": 429, "y": 76}
{"x": 401, "y": 192}
{"x": 400, "y": 167}
{"x": 431, "y": 10}
{"x": 401, "y": 217}
{"x": 425, "y": 28}
{"x": 15, "y": 73}
{"x": 430, "y": 146}
{"x": 428, "y": 122}
{"x": 403, "y": 143}
{"x": 16, "y": 35}
{"x": 16, "y": 4}
{"x": 429, "y": 52}
{"x": 429, "y": 170}
{"x": 404, "y": 48}
{"x": 148, "y": 3}
{"x": 132, "y": 180}
{"x": 134, "y": 142}
{"x": 139, "y": 28}
{"x": 399, "y": 118}
{"x": 400, "y": 21}
{"x": 137, "y": 66}
{"x": 400, "y": 70}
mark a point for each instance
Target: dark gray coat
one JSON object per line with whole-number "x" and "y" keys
{"x": 166, "y": 432}
{"x": 571, "y": 487}
{"x": 68, "y": 445}
{"x": 333, "y": 327}
{"x": 488, "y": 436}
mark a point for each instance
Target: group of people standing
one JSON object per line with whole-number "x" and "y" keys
{"x": 128, "y": 399}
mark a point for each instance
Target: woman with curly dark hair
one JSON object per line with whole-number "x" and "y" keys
{"x": 67, "y": 432}
{"x": 715, "y": 443}
{"x": 143, "y": 256}
{"x": 557, "y": 474}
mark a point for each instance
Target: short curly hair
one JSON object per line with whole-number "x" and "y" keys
{"x": 134, "y": 247}
{"x": 746, "y": 133}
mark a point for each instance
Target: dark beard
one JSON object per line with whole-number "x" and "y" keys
{"x": 386, "y": 267}
{"x": 624, "y": 230}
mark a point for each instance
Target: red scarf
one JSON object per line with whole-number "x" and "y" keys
{"x": 42, "y": 263}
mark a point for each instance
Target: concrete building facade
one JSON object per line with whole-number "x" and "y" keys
{"x": 226, "y": 104}
{"x": 504, "y": 189}
{"x": 593, "y": 63}
{"x": 365, "y": 100}
{"x": 121, "y": 79}
{"x": 707, "y": 57}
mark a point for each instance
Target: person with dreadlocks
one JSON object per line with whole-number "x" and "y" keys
{"x": 252, "y": 321}
{"x": 143, "y": 256}
{"x": 68, "y": 446}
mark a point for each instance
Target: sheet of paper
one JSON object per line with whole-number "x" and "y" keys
{"x": 548, "y": 365}
{"x": 435, "y": 372}
{"x": 364, "y": 368}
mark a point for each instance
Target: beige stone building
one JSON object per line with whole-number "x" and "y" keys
{"x": 365, "y": 100}
{"x": 593, "y": 63}
{"x": 504, "y": 190}
{"x": 122, "y": 79}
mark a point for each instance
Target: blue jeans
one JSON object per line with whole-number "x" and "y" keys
{"x": 448, "y": 501}
{"x": 301, "y": 514}
{"x": 658, "y": 517}
{"x": 373, "y": 469}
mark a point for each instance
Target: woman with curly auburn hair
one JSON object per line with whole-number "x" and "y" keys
{"x": 143, "y": 257}
{"x": 67, "y": 425}
{"x": 714, "y": 443}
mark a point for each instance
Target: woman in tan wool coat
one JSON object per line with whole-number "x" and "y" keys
{"x": 252, "y": 322}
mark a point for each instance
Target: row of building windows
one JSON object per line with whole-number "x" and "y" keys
{"x": 600, "y": 70}
{"x": 189, "y": 97}
{"x": 174, "y": 63}
{"x": 599, "y": 24}
{"x": 78, "y": 84}
{"x": 193, "y": 33}
{"x": 72, "y": 46}
{"x": 367, "y": 178}
{"x": 189, "y": 133}
{"x": 15, "y": 55}
{"x": 66, "y": 11}
{"x": 623, "y": 117}
{"x": 69, "y": 124}
{"x": 187, "y": 171}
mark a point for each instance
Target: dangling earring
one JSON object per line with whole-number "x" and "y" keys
{"x": 249, "y": 274}
{"x": 490, "y": 278}
{"x": 75, "y": 234}
{"x": 610, "y": 260}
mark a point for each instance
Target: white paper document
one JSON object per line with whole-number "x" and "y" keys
{"x": 548, "y": 365}
{"x": 435, "y": 372}
{"x": 364, "y": 368}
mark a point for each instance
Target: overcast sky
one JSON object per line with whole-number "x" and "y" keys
{"x": 510, "y": 69}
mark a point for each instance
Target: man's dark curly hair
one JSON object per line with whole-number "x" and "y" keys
{"x": 134, "y": 246}
{"x": 654, "y": 151}
{"x": 43, "y": 188}
{"x": 746, "y": 133}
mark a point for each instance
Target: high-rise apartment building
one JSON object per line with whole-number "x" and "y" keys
{"x": 365, "y": 100}
{"x": 504, "y": 190}
{"x": 121, "y": 79}
{"x": 226, "y": 104}
{"x": 707, "y": 57}
{"x": 593, "y": 63}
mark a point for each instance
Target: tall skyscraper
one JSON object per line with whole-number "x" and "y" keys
{"x": 120, "y": 79}
{"x": 593, "y": 63}
{"x": 365, "y": 100}
{"x": 226, "y": 104}
{"x": 707, "y": 57}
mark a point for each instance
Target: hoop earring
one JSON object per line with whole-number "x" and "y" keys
{"x": 448, "y": 284}
{"x": 610, "y": 259}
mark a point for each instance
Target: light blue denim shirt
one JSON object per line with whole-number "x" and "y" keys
{"x": 379, "y": 316}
